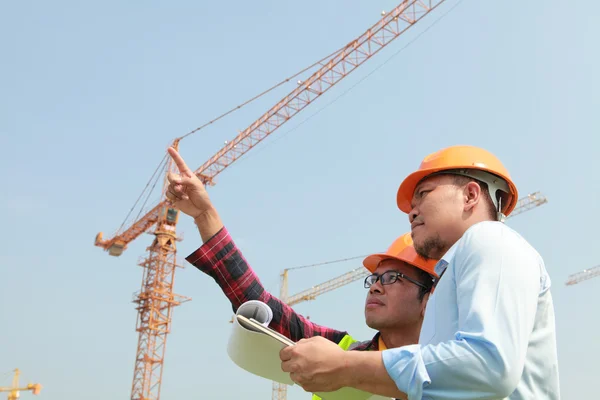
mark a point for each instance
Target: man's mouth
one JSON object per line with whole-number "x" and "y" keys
{"x": 414, "y": 225}
{"x": 373, "y": 303}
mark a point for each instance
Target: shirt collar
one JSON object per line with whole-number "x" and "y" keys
{"x": 442, "y": 264}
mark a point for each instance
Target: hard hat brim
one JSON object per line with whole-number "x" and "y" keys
{"x": 371, "y": 262}
{"x": 408, "y": 186}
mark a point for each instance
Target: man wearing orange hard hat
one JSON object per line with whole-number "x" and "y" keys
{"x": 489, "y": 329}
{"x": 399, "y": 284}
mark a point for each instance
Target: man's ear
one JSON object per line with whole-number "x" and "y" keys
{"x": 472, "y": 195}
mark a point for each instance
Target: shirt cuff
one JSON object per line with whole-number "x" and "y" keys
{"x": 212, "y": 251}
{"x": 406, "y": 367}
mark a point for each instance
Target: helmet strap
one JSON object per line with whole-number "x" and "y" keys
{"x": 499, "y": 215}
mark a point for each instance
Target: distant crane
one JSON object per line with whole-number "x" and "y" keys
{"x": 528, "y": 202}
{"x": 279, "y": 391}
{"x": 14, "y": 390}
{"x": 583, "y": 275}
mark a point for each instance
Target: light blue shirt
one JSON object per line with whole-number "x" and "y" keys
{"x": 489, "y": 330}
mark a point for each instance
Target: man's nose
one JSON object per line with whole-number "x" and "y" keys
{"x": 377, "y": 287}
{"x": 413, "y": 214}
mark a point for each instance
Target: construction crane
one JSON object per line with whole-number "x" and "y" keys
{"x": 156, "y": 298}
{"x": 279, "y": 391}
{"x": 528, "y": 202}
{"x": 583, "y": 275}
{"x": 14, "y": 390}
{"x": 328, "y": 286}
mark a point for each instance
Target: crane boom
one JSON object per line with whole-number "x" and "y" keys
{"x": 14, "y": 390}
{"x": 528, "y": 202}
{"x": 333, "y": 70}
{"x": 583, "y": 275}
{"x": 313, "y": 292}
{"x": 392, "y": 25}
{"x": 117, "y": 244}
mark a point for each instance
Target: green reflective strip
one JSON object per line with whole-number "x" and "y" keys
{"x": 344, "y": 344}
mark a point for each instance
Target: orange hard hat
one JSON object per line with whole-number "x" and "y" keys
{"x": 470, "y": 161}
{"x": 402, "y": 250}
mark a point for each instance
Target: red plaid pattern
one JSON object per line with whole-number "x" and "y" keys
{"x": 220, "y": 258}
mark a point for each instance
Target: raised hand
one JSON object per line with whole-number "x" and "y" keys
{"x": 186, "y": 191}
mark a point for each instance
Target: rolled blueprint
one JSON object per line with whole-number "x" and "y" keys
{"x": 254, "y": 351}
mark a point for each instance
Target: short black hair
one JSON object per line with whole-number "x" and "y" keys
{"x": 427, "y": 280}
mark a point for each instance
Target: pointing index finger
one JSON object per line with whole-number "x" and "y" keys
{"x": 181, "y": 165}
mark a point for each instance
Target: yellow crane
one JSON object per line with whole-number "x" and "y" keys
{"x": 14, "y": 390}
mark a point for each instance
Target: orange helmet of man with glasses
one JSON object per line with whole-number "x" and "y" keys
{"x": 399, "y": 283}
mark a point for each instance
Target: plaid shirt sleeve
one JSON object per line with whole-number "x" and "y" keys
{"x": 223, "y": 261}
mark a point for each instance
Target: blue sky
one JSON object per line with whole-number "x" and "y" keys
{"x": 92, "y": 94}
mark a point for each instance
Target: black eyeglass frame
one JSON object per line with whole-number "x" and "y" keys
{"x": 393, "y": 278}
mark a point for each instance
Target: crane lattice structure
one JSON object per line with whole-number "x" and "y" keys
{"x": 279, "y": 390}
{"x": 156, "y": 298}
{"x": 14, "y": 390}
{"x": 328, "y": 286}
{"x": 528, "y": 202}
{"x": 583, "y": 275}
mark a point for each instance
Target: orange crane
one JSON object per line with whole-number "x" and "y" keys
{"x": 14, "y": 390}
{"x": 279, "y": 391}
{"x": 583, "y": 275}
{"x": 156, "y": 298}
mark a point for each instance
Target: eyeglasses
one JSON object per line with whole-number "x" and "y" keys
{"x": 389, "y": 277}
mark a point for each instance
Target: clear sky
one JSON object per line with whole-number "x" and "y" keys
{"x": 93, "y": 93}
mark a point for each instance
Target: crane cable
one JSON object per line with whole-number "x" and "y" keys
{"x": 154, "y": 177}
{"x": 361, "y": 80}
{"x": 328, "y": 262}
{"x": 263, "y": 93}
{"x": 5, "y": 376}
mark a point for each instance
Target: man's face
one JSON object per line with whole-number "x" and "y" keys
{"x": 395, "y": 305}
{"x": 437, "y": 209}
